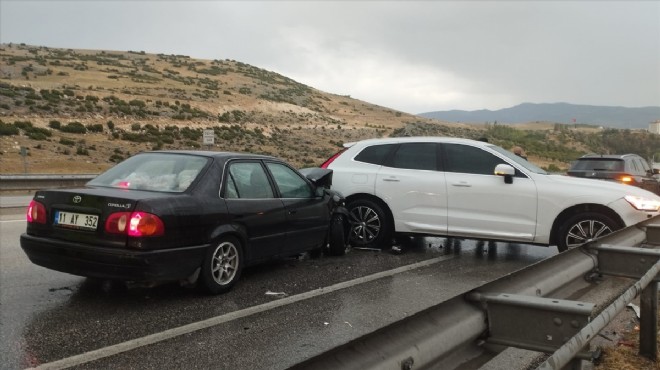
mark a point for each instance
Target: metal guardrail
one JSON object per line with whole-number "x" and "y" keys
{"x": 31, "y": 182}
{"x": 516, "y": 311}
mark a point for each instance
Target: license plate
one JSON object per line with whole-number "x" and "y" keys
{"x": 76, "y": 220}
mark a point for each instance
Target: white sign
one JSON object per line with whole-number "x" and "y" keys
{"x": 209, "y": 137}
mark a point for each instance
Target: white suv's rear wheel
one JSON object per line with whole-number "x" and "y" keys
{"x": 370, "y": 224}
{"x": 582, "y": 227}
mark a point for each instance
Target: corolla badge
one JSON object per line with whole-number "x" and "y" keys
{"x": 117, "y": 205}
{"x": 77, "y": 199}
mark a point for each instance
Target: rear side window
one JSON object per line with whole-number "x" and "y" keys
{"x": 375, "y": 154}
{"x": 247, "y": 180}
{"x": 468, "y": 159}
{"x": 643, "y": 166}
{"x": 598, "y": 164}
{"x": 634, "y": 166}
{"x": 416, "y": 156}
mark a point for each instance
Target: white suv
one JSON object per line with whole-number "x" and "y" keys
{"x": 466, "y": 188}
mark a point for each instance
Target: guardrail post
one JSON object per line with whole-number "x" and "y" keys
{"x": 648, "y": 322}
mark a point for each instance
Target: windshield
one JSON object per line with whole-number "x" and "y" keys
{"x": 520, "y": 161}
{"x": 598, "y": 164}
{"x": 165, "y": 172}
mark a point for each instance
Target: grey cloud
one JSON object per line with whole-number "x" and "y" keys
{"x": 462, "y": 55}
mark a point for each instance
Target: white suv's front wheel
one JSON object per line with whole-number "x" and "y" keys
{"x": 370, "y": 224}
{"x": 583, "y": 227}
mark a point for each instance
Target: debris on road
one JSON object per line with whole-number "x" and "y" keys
{"x": 635, "y": 308}
{"x": 276, "y": 294}
{"x": 367, "y": 249}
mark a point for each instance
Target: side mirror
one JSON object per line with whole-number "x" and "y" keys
{"x": 506, "y": 171}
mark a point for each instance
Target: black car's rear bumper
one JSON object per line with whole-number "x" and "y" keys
{"x": 110, "y": 263}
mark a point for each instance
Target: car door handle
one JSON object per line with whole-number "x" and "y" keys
{"x": 463, "y": 184}
{"x": 390, "y": 179}
{"x": 293, "y": 211}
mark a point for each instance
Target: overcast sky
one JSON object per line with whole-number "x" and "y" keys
{"x": 413, "y": 56}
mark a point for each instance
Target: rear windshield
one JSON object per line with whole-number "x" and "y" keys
{"x": 598, "y": 164}
{"x": 153, "y": 171}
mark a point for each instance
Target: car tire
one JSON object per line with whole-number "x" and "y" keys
{"x": 582, "y": 227}
{"x": 222, "y": 266}
{"x": 370, "y": 226}
{"x": 337, "y": 236}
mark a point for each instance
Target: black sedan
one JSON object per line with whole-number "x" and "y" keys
{"x": 185, "y": 215}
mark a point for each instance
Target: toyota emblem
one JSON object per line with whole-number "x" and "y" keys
{"x": 77, "y": 199}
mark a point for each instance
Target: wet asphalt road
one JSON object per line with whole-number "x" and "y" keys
{"x": 47, "y": 316}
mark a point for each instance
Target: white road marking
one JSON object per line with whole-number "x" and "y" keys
{"x": 189, "y": 328}
{"x": 3, "y": 221}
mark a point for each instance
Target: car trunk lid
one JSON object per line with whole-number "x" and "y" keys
{"x": 79, "y": 215}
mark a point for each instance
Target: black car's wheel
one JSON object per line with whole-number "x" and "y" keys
{"x": 337, "y": 236}
{"x": 222, "y": 266}
{"x": 582, "y": 227}
{"x": 370, "y": 224}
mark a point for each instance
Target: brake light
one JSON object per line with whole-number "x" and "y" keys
{"x": 145, "y": 224}
{"x": 116, "y": 222}
{"x": 137, "y": 224}
{"x": 332, "y": 159}
{"x": 36, "y": 213}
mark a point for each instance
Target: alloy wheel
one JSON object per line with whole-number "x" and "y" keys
{"x": 584, "y": 231}
{"x": 365, "y": 224}
{"x": 224, "y": 263}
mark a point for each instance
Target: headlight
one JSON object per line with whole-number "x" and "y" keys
{"x": 643, "y": 204}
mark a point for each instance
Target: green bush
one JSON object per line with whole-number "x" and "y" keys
{"x": 7, "y": 129}
{"x": 116, "y": 158}
{"x": 23, "y": 125}
{"x": 74, "y": 128}
{"x": 94, "y": 127}
{"x": 55, "y": 124}
{"x": 137, "y": 103}
{"x": 191, "y": 134}
{"x": 67, "y": 142}
{"x": 38, "y": 133}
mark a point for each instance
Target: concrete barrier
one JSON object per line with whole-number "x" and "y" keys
{"x": 31, "y": 182}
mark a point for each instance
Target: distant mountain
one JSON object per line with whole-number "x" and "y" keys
{"x": 615, "y": 117}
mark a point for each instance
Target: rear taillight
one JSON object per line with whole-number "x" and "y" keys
{"x": 145, "y": 224}
{"x": 116, "y": 223}
{"x": 331, "y": 159}
{"x": 138, "y": 224}
{"x": 36, "y": 213}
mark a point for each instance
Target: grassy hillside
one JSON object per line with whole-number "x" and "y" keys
{"x": 81, "y": 111}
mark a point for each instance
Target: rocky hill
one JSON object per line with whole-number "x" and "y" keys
{"x": 82, "y": 111}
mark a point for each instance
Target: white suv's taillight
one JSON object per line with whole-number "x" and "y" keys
{"x": 331, "y": 159}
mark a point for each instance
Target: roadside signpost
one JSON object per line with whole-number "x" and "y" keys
{"x": 24, "y": 153}
{"x": 209, "y": 138}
